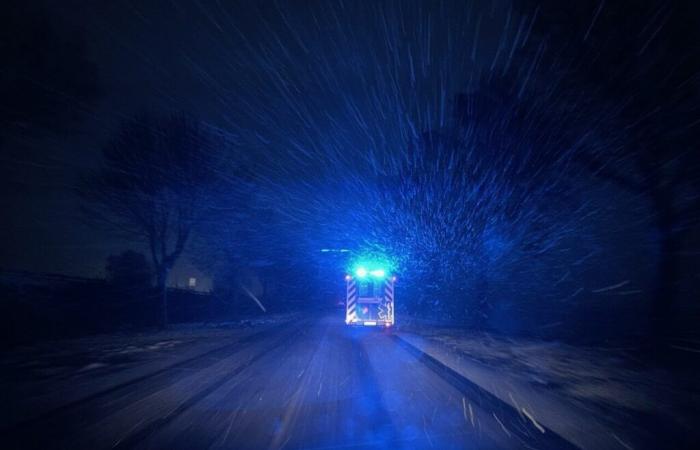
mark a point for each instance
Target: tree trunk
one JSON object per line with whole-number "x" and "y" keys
{"x": 162, "y": 288}
{"x": 665, "y": 288}
{"x": 482, "y": 304}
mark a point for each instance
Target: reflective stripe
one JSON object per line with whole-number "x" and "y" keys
{"x": 351, "y": 301}
{"x": 389, "y": 299}
{"x": 389, "y": 290}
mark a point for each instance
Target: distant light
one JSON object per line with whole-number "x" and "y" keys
{"x": 348, "y": 278}
{"x": 379, "y": 273}
{"x": 325, "y": 250}
{"x": 361, "y": 272}
{"x": 393, "y": 278}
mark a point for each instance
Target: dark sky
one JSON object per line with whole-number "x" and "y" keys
{"x": 305, "y": 80}
{"x": 156, "y": 56}
{"x": 136, "y": 55}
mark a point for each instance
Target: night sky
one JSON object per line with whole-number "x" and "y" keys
{"x": 137, "y": 54}
{"x": 167, "y": 56}
{"x": 305, "y": 91}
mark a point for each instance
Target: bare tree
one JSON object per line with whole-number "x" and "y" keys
{"x": 128, "y": 269}
{"x": 629, "y": 77}
{"x": 160, "y": 179}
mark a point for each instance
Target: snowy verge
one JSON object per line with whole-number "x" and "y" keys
{"x": 44, "y": 376}
{"x": 591, "y": 397}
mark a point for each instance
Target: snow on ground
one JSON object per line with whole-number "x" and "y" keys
{"x": 39, "y": 377}
{"x": 594, "y": 397}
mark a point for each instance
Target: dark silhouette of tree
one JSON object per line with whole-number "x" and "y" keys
{"x": 630, "y": 69}
{"x": 128, "y": 297}
{"x": 494, "y": 171}
{"x": 160, "y": 181}
{"x": 46, "y": 78}
{"x": 129, "y": 269}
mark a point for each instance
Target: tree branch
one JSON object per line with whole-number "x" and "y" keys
{"x": 600, "y": 170}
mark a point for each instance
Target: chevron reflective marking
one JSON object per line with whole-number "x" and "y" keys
{"x": 351, "y": 301}
{"x": 389, "y": 299}
{"x": 389, "y": 290}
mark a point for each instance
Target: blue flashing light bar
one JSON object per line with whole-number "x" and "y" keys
{"x": 361, "y": 272}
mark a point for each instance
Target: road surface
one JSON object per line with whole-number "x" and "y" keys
{"x": 315, "y": 384}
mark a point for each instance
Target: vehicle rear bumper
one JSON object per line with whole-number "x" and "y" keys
{"x": 369, "y": 323}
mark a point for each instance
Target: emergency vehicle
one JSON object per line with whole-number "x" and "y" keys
{"x": 370, "y": 297}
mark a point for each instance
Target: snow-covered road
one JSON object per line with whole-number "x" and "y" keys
{"x": 300, "y": 383}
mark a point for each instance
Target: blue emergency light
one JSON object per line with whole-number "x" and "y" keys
{"x": 378, "y": 273}
{"x": 362, "y": 272}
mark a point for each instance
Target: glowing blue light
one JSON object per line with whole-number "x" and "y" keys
{"x": 361, "y": 272}
{"x": 379, "y": 273}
